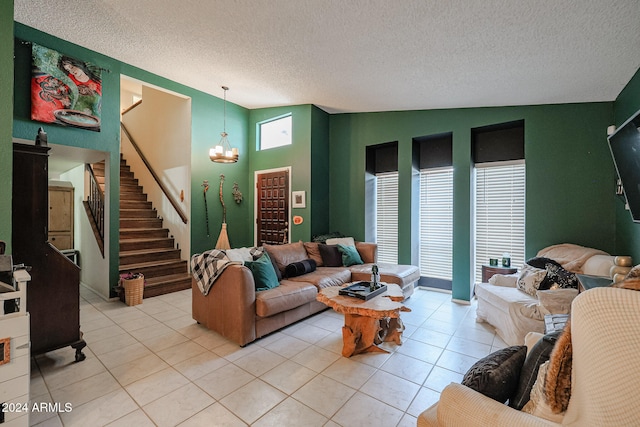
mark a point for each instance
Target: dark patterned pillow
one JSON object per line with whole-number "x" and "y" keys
{"x": 497, "y": 375}
{"x": 561, "y": 278}
{"x": 542, "y": 263}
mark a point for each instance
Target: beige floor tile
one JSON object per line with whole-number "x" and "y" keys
{"x": 222, "y": 416}
{"x": 407, "y": 368}
{"x": 288, "y": 376}
{"x": 253, "y": 400}
{"x": 137, "y": 369}
{"x": 324, "y": 395}
{"x": 364, "y": 411}
{"x": 200, "y": 365}
{"x": 428, "y": 336}
{"x": 136, "y": 418}
{"x": 421, "y": 351}
{"x": 86, "y": 390}
{"x": 39, "y": 417}
{"x": 291, "y": 413}
{"x": 156, "y": 366}
{"x": 260, "y": 361}
{"x": 456, "y": 362}
{"x": 439, "y": 378}
{"x": 287, "y": 346}
{"x": 156, "y": 385}
{"x": 470, "y": 348}
{"x": 122, "y": 355}
{"x": 424, "y": 399}
{"x": 316, "y": 358}
{"x": 210, "y": 340}
{"x": 62, "y": 376}
{"x": 391, "y": 390}
{"x": 177, "y": 406}
{"x": 181, "y": 352}
{"x": 113, "y": 343}
{"x": 349, "y": 372}
{"x": 223, "y": 381}
{"x": 164, "y": 341}
{"x": 100, "y": 411}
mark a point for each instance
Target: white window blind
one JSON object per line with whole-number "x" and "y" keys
{"x": 436, "y": 223}
{"x": 387, "y": 216}
{"x": 499, "y": 211}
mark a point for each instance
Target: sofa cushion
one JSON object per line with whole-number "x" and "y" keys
{"x": 284, "y": 255}
{"x": 264, "y": 275}
{"x": 331, "y": 256}
{"x": 313, "y": 252}
{"x": 285, "y": 297}
{"x": 299, "y": 268}
{"x": 539, "y": 354}
{"x": 350, "y": 255}
{"x": 401, "y": 275}
{"x": 341, "y": 241}
{"x": 557, "y": 301}
{"x": 496, "y": 375}
{"x": 530, "y": 279}
{"x": 325, "y": 276}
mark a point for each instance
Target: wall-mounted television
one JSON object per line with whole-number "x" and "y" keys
{"x": 625, "y": 149}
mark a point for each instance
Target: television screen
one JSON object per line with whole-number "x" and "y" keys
{"x": 625, "y": 149}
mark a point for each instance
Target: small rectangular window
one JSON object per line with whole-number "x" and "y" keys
{"x": 275, "y": 132}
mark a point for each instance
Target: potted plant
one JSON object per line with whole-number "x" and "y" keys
{"x": 132, "y": 285}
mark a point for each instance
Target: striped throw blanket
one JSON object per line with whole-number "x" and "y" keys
{"x": 208, "y": 266}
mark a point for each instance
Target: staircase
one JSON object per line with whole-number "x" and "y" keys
{"x": 145, "y": 246}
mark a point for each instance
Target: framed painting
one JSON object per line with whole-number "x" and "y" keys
{"x": 65, "y": 90}
{"x": 298, "y": 199}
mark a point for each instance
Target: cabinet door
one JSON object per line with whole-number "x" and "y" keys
{"x": 61, "y": 217}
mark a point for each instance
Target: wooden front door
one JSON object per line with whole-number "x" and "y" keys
{"x": 272, "y": 189}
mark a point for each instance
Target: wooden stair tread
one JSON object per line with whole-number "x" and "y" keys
{"x": 130, "y": 267}
{"x": 168, "y": 278}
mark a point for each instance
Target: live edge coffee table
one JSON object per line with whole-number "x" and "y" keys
{"x": 367, "y": 323}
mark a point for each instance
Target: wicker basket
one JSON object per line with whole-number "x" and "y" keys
{"x": 133, "y": 290}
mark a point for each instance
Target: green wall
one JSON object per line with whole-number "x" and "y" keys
{"x": 627, "y": 232}
{"x": 569, "y": 174}
{"x": 319, "y": 171}
{"x": 6, "y": 114}
{"x": 297, "y": 155}
{"x": 207, "y": 123}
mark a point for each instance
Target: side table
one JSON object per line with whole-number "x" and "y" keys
{"x": 490, "y": 270}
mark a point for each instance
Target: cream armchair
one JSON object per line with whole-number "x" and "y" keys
{"x": 605, "y": 372}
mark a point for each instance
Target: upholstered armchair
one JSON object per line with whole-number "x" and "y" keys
{"x": 605, "y": 327}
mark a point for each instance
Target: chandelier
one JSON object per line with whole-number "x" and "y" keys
{"x": 223, "y": 153}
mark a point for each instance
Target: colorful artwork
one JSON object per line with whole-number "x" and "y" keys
{"x": 65, "y": 90}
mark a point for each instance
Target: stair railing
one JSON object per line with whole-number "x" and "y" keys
{"x": 95, "y": 203}
{"x": 164, "y": 189}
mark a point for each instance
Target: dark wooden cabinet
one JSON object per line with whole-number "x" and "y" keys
{"x": 490, "y": 270}
{"x": 53, "y": 295}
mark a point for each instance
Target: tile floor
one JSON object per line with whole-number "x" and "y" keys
{"x": 151, "y": 364}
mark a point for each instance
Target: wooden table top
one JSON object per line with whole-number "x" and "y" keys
{"x": 387, "y": 304}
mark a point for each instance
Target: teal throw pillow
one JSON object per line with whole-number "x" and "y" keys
{"x": 350, "y": 255}
{"x": 264, "y": 275}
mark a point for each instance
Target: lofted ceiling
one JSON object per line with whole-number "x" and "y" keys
{"x": 364, "y": 55}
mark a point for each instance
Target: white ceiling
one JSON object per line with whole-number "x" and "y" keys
{"x": 364, "y": 55}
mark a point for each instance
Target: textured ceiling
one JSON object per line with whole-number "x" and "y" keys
{"x": 364, "y": 55}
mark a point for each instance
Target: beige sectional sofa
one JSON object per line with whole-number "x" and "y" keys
{"x": 515, "y": 313}
{"x": 234, "y": 308}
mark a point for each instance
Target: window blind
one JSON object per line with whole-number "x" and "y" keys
{"x": 436, "y": 223}
{"x": 387, "y": 216}
{"x": 499, "y": 213}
